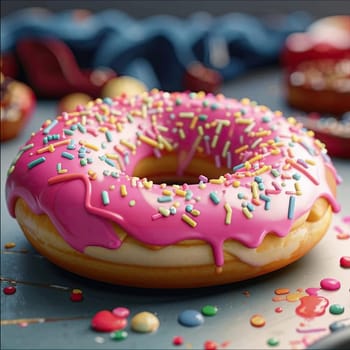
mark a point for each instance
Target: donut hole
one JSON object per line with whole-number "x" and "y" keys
{"x": 170, "y": 169}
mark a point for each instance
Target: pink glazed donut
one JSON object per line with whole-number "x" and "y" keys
{"x": 172, "y": 190}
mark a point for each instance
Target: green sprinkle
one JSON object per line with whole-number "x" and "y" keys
{"x": 132, "y": 203}
{"x": 105, "y": 197}
{"x": 164, "y": 199}
{"x": 272, "y": 341}
{"x": 164, "y": 211}
{"x": 209, "y": 310}
{"x": 36, "y": 162}
{"x": 336, "y": 309}
{"x": 83, "y": 162}
{"x": 202, "y": 117}
{"x": 81, "y": 128}
{"x": 119, "y": 335}
{"x": 68, "y": 132}
{"x": 275, "y": 173}
{"x": 178, "y": 101}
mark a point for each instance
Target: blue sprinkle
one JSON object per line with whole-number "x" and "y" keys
{"x": 191, "y": 318}
{"x": 164, "y": 199}
{"x": 291, "y": 207}
{"x": 250, "y": 206}
{"x": 240, "y": 195}
{"x": 49, "y": 127}
{"x": 296, "y": 176}
{"x": 189, "y": 208}
{"x": 67, "y": 155}
{"x": 239, "y": 166}
{"x": 215, "y": 199}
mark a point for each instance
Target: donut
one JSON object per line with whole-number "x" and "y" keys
{"x": 172, "y": 190}
{"x": 17, "y": 106}
{"x": 317, "y": 65}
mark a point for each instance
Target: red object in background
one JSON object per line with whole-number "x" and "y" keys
{"x": 9, "y": 66}
{"x": 327, "y": 38}
{"x": 17, "y": 105}
{"x": 52, "y": 71}
{"x": 200, "y": 78}
{"x": 317, "y": 67}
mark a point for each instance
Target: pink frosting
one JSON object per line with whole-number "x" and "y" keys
{"x": 78, "y": 169}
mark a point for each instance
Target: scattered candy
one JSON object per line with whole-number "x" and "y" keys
{"x": 76, "y": 295}
{"x": 105, "y": 321}
{"x": 191, "y": 318}
{"x": 144, "y": 322}
{"x": 9, "y": 245}
{"x": 257, "y": 320}
{"x": 210, "y": 345}
{"x": 336, "y": 309}
{"x": 209, "y": 310}
{"x": 330, "y": 284}
{"x": 178, "y": 340}
{"x": 9, "y": 290}
{"x": 121, "y": 312}
{"x": 119, "y": 335}
{"x": 345, "y": 261}
{"x": 272, "y": 341}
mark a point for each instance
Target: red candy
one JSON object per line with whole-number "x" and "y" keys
{"x": 105, "y": 321}
{"x": 345, "y": 261}
{"x": 178, "y": 340}
{"x": 9, "y": 290}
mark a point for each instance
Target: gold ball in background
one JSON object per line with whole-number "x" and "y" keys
{"x": 123, "y": 85}
{"x": 71, "y": 101}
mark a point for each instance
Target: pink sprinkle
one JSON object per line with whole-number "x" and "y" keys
{"x": 312, "y": 291}
{"x": 121, "y": 312}
{"x": 330, "y": 284}
{"x": 338, "y": 229}
{"x": 346, "y": 219}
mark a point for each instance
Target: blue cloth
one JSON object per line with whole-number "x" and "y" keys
{"x": 158, "y": 49}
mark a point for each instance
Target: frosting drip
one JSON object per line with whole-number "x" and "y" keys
{"x": 78, "y": 169}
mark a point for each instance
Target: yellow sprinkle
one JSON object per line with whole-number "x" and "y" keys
{"x": 236, "y": 183}
{"x": 247, "y": 165}
{"x": 92, "y": 174}
{"x": 188, "y": 220}
{"x": 119, "y": 127}
{"x": 163, "y": 141}
{"x": 247, "y": 213}
{"x": 244, "y": 121}
{"x": 193, "y": 122}
{"x": 237, "y": 114}
{"x": 167, "y": 193}
{"x": 245, "y": 101}
{"x": 180, "y": 193}
{"x": 195, "y": 212}
{"x": 218, "y": 181}
{"x": 214, "y": 141}
{"x": 297, "y": 188}
{"x": 228, "y": 214}
{"x": 310, "y": 161}
{"x": 123, "y": 191}
{"x": 113, "y": 156}
{"x": 89, "y": 145}
{"x": 241, "y": 149}
{"x": 186, "y": 114}
{"x": 262, "y": 170}
{"x": 150, "y": 141}
{"x": 200, "y": 130}
{"x": 102, "y": 129}
{"x": 254, "y": 188}
{"x": 182, "y": 134}
{"x": 226, "y": 147}
{"x": 254, "y": 159}
{"x": 127, "y": 144}
{"x": 148, "y": 184}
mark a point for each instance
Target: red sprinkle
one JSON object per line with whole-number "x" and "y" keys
{"x": 9, "y": 290}
{"x": 278, "y": 309}
{"x": 76, "y": 295}
{"x": 345, "y": 261}
{"x": 210, "y": 345}
{"x": 105, "y": 321}
{"x": 178, "y": 340}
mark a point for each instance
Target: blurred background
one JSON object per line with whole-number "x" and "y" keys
{"x": 183, "y": 8}
{"x": 72, "y": 51}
